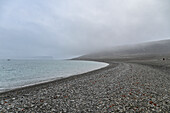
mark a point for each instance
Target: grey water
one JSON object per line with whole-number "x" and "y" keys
{"x": 21, "y": 73}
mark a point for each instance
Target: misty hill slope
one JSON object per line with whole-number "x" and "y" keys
{"x": 150, "y": 49}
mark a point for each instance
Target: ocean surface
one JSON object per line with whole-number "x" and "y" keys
{"x": 20, "y": 73}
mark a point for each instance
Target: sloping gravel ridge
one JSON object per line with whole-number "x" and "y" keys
{"x": 122, "y": 87}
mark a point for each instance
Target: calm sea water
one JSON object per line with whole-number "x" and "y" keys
{"x": 20, "y": 73}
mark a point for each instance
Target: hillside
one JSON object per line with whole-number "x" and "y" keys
{"x": 149, "y": 49}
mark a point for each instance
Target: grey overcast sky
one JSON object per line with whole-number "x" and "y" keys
{"x": 66, "y": 28}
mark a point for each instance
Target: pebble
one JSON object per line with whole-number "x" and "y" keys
{"x": 13, "y": 98}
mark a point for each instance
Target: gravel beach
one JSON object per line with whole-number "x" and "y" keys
{"x": 119, "y": 87}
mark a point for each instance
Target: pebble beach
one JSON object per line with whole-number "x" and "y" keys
{"x": 119, "y": 87}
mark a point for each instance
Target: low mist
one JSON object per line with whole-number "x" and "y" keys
{"x": 64, "y": 29}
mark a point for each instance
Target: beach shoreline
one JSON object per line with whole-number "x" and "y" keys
{"x": 51, "y": 81}
{"x": 119, "y": 87}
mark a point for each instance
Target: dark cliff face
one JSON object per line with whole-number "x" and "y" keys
{"x": 150, "y": 49}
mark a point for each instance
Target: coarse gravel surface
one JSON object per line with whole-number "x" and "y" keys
{"x": 122, "y": 87}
